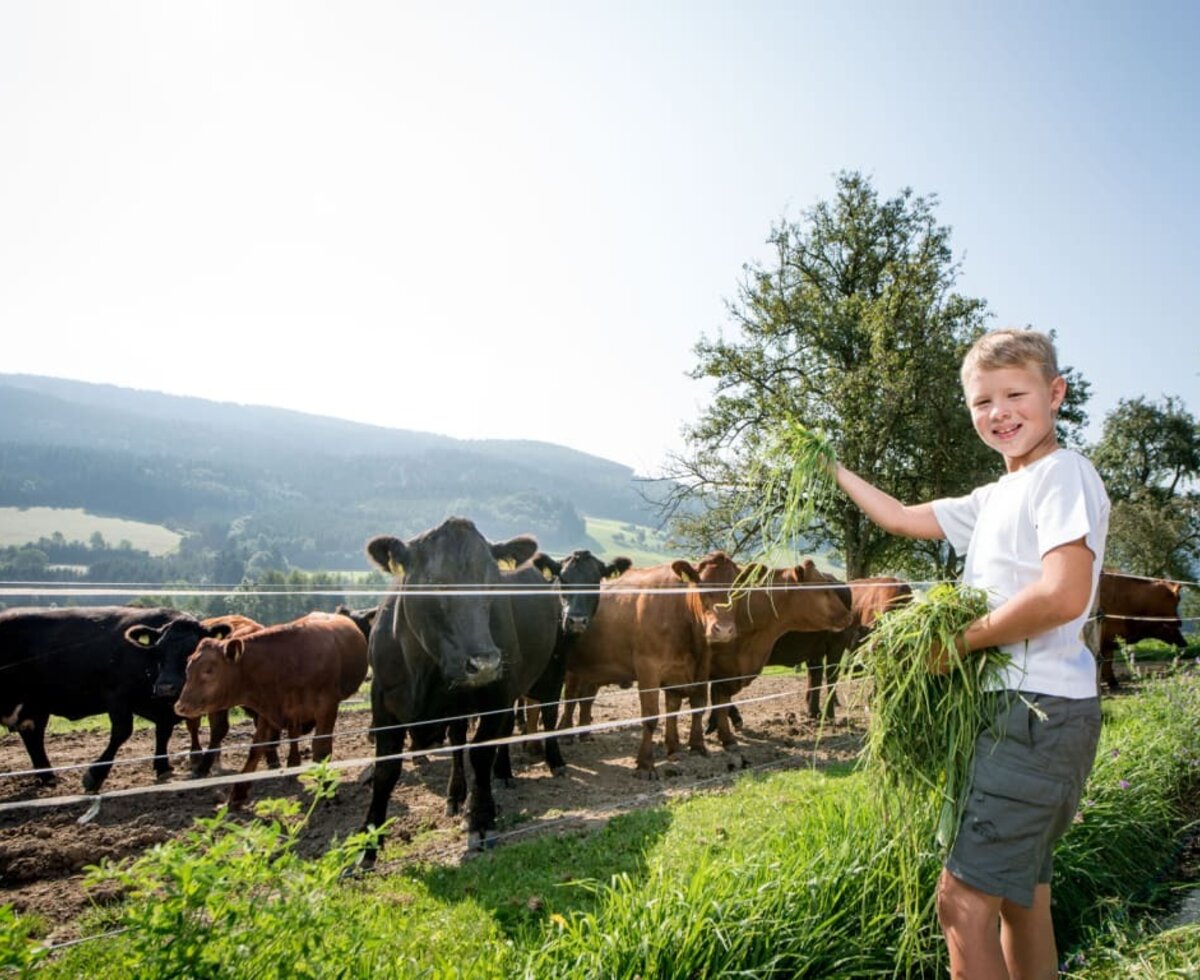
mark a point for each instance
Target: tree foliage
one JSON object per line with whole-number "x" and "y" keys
{"x": 1149, "y": 457}
{"x": 853, "y": 328}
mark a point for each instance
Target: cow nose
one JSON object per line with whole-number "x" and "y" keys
{"x": 722, "y": 633}
{"x": 480, "y": 669}
{"x": 577, "y": 624}
{"x": 166, "y": 690}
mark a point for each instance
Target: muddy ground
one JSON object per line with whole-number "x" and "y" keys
{"x": 43, "y": 851}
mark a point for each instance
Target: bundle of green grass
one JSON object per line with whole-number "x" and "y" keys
{"x": 790, "y": 480}
{"x": 925, "y": 716}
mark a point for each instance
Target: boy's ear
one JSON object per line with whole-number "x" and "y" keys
{"x": 1058, "y": 391}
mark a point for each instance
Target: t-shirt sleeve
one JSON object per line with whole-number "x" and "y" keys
{"x": 957, "y": 516}
{"x": 1061, "y": 511}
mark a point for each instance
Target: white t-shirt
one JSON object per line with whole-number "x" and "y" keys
{"x": 1005, "y": 528}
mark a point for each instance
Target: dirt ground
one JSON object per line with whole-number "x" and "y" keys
{"x": 43, "y": 851}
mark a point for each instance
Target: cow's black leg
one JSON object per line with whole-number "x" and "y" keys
{"x": 389, "y": 741}
{"x": 829, "y": 676}
{"x": 34, "y": 738}
{"x": 554, "y": 756}
{"x": 122, "y": 728}
{"x": 503, "y": 764}
{"x": 456, "y": 790}
{"x": 814, "y": 691}
{"x": 162, "y": 739}
{"x": 481, "y": 808}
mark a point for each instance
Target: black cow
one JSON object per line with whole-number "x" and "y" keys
{"x": 363, "y": 618}
{"x": 74, "y": 663}
{"x": 454, "y": 655}
{"x": 579, "y": 575}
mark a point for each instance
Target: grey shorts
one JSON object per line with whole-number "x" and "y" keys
{"x": 1026, "y": 780}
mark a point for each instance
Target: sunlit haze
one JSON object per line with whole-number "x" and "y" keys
{"x": 516, "y": 219}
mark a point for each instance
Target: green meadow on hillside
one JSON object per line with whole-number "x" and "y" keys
{"x": 25, "y": 525}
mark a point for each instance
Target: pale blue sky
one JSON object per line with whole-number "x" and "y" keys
{"x": 515, "y": 219}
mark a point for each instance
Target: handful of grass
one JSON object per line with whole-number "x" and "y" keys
{"x": 923, "y": 725}
{"x": 791, "y": 479}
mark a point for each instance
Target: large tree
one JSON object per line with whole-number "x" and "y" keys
{"x": 853, "y": 328}
{"x": 1149, "y": 456}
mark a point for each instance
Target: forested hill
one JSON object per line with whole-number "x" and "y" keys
{"x": 313, "y": 487}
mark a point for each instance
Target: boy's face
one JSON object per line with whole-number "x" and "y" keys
{"x": 1012, "y": 409}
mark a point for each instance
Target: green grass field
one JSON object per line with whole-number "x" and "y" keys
{"x": 25, "y": 525}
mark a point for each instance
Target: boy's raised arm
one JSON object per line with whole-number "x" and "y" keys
{"x": 916, "y": 521}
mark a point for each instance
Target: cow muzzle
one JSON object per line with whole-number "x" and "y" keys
{"x": 722, "y": 633}
{"x": 167, "y": 690}
{"x": 576, "y": 624}
{"x": 480, "y": 669}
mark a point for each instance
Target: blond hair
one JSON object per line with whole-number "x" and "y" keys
{"x": 1011, "y": 348}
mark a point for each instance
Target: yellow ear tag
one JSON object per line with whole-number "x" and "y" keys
{"x": 506, "y": 564}
{"x": 547, "y": 575}
{"x": 395, "y": 568}
{"x": 143, "y": 639}
{"x": 684, "y": 579}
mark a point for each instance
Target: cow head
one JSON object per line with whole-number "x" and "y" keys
{"x": 170, "y": 646}
{"x": 444, "y": 577}
{"x": 580, "y": 575}
{"x": 711, "y": 578}
{"x": 799, "y": 599}
{"x": 364, "y": 619}
{"x": 211, "y": 678}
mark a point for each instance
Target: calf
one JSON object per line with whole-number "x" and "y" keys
{"x": 218, "y": 722}
{"x": 657, "y": 626}
{"x": 292, "y": 676}
{"x": 1131, "y": 608}
{"x": 775, "y": 602}
{"x": 74, "y": 663}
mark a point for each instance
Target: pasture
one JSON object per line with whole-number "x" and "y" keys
{"x": 25, "y": 525}
{"x": 731, "y": 862}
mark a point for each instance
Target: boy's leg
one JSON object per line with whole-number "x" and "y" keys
{"x": 1027, "y": 935}
{"x": 970, "y": 920}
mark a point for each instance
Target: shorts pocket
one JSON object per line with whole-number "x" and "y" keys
{"x": 1011, "y": 805}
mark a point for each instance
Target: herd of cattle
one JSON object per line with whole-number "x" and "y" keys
{"x": 468, "y": 630}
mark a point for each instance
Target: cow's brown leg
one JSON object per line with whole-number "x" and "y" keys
{"x": 697, "y": 696}
{"x": 263, "y": 733}
{"x": 719, "y": 715}
{"x": 673, "y": 700}
{"x": 648, "y": 697}
{"x": 1107, "y": 673}
{"x": 322, "y": 742}
{"x": 588, "y": 694}
{"x": 570, "y": 693}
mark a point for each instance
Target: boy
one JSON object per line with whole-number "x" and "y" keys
{"x": 1034, "y": 540}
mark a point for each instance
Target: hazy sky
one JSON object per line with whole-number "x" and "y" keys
{"x": 515, "y": 219}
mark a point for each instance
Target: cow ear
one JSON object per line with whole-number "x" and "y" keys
{"x": 390, "y": 554}
{"x": 234, "y": 650}
{"x": 143, "y": 636}
{"x": 619, "y": 567}
{"x": 220, "y": 631}
{"x": 516, "y": 550}
{"x": 549, "y": 568}
{"x": 685, "y": 571}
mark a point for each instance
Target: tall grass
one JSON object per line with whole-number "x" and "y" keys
{"x": 788, "y": 875}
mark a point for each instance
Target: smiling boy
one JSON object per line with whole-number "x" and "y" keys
{"x": 1034, "y": 540}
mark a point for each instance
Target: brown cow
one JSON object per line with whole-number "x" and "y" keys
{"x": 777, "y": 602}
{"x": 293, "y": 676}
{"x": 822, "y": 653}
{"x": 655, "y": 626}
{"x": 1130, "y": 608}
{"x": 218, "y": 722}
